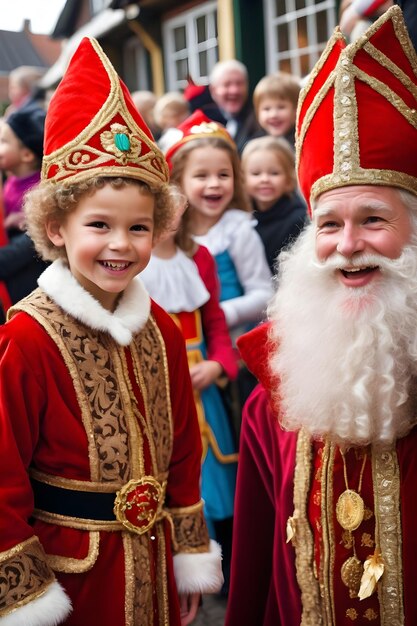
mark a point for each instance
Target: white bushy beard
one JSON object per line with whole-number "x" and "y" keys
{"x": 346, "y": 357}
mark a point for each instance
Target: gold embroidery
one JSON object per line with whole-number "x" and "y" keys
{"x": 24, "y": 575}
{"x": 189, "y": 527}
{"x": 70, "y": 565}
{"x": 303, "y": 539}
{"x": 352, "y": 614}
{"x": 76, "y": 522}
{"x": 386, "y": 482}
{"x": 328, "y": 556}
{"x": 370, "y": 614}
{"x": 367, "y": 540}
{"x": 70, "y": 483}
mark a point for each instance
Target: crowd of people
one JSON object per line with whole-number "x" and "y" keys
{"x": 207, "y": 372}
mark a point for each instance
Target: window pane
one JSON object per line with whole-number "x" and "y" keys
{"x": 322, "y": 28}
{"x": 305, "y": 64}
{"x": 180, "y": 38}
{"x": 280, "y": 8}
{"x": 202, "y": 60}
{"x": 302, "y": 32}
{"x": 282, "y": 37}
{"x": 182, "y": 69}
{"x": 300, "y": 4}
{"x": 201, "y": 29}
{"x": 285, "y": 66}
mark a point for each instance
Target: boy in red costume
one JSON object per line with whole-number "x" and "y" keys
{"x": 100, "y": 505}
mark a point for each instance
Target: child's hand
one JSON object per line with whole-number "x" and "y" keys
{"x": 205, "y": 373}
{"x": 189, "y": 604}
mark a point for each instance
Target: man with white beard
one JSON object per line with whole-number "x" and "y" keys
{"x": 326, "y": 512}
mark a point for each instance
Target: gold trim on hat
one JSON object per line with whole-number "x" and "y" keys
{"x": 77, "y": 161}
{"x": 346, "y": 148}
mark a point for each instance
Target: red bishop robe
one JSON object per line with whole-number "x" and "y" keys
{"x": 286, "y": 480}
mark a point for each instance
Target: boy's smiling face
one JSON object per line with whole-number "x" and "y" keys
{"x": 107, "y": 239}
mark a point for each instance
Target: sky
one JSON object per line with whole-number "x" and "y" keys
{"x": 43, "y": 14}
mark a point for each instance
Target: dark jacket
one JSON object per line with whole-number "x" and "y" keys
{"x": 247, "y": 125}
{"x": 280, "y": 225}
{"x": 20, "y": 266}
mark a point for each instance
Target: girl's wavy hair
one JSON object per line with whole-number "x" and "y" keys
{"x": 54, "y": 202}
{"x": 240, "y": 199}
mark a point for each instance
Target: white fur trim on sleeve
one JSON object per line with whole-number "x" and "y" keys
{"x": 50, "y": 609}
{"x": 200, "y": 572}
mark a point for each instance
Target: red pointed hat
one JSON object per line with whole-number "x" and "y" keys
{"x": 93, "y": 128}
{"x": 197, "y": 126}
{"x": 357, "y": 115}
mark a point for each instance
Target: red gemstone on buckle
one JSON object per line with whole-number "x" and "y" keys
{"x": 138, "y": 504}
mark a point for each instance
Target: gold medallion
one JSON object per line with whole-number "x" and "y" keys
{"x": 351, "y": 574}
{"x": 350, "y": 510}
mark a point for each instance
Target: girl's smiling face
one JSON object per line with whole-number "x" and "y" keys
{"x": 107, "y": 239}
{"x": 208, "y": 184}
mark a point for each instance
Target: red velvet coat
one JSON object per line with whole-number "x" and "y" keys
{"x": 90, "y": 417}
{"x": 266, "y": 578}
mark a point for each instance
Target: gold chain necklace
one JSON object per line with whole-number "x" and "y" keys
{"x": 350, "y": 511}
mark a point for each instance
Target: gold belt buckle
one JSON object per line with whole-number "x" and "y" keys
{"x": 138, "y": 504}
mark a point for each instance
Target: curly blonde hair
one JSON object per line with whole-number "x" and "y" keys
{"x": 53, "y": 202}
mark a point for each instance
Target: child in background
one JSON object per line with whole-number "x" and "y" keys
{"x": 22, "y": 86}
{"x": 170, "y": 111}
{"x": 21, "y": 148}
{"x": 205, "y": 165}
{"x": 275, "y": 100}
{"x": 100, "y": 449}
{"x": 269, "y": 169}
{"x": 181, "y": 277}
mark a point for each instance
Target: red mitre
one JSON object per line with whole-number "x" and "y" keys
{"x": 93, "y": 128}
{"x": 357, "y": 115}
{"x": 197, "y": 126}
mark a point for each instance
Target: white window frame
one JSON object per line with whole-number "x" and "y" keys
{"x": 96, "y": 6}
{"x": 134, "y": 45}
{"x": 314, "y": 47}
{"x": 188, "y": 19}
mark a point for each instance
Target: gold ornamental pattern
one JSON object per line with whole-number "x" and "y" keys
{"x": 108, "y": 405}
{"x": 24, "y": 575}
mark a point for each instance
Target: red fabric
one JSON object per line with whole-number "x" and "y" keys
{"x": 216, "y": 333}
{"x": 254, "y": 350}
{"x": 386, "y": 138}
{"x": 263, "y": 589}
{"x": 41, "y": 425}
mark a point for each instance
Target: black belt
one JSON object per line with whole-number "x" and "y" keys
{"x": 83, "y": 504}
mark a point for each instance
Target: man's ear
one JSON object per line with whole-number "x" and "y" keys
{"x": 53, "y": 230}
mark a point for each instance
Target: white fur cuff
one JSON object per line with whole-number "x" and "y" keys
{"x": 50, "y": 609}
{"x": 200, "y": 572}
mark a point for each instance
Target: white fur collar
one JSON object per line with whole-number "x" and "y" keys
{"x": 130, "y": 316}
